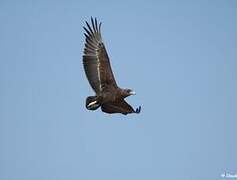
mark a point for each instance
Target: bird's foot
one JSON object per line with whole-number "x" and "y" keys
{"x": 138, "y": 110}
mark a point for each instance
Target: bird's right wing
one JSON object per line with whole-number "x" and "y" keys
{"x": 119, "y": 107}
{"x": 96, "y": 60}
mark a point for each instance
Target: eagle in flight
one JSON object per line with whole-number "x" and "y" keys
{"x": 98, "y": 71}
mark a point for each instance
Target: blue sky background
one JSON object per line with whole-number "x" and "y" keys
{"x": 179, "y": 56}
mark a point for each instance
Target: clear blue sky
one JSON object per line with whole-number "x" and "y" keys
{"x": 179, "y": 56}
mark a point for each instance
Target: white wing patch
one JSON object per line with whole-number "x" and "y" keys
{"x": 98, "y": 70}
{"x": 91, "y": 103}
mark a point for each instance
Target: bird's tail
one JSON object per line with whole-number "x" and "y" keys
{"x": 92, "y": 103}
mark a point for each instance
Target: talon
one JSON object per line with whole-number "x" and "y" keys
{"x": 138, "y": 110}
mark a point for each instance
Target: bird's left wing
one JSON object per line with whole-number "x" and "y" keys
{"x": 96, "y": 60}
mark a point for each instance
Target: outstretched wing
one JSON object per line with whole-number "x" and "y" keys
{"x": 96, "y": 60}
{"x": 119, "y": 107}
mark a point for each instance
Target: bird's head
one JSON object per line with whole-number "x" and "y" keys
{"x": 127, "y": 92}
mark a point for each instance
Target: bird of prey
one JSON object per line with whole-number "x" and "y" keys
{"x": 98, "y": 71}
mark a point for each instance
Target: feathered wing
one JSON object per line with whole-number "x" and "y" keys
{"x": 119, "y": 107}
{"x": 95, "y": 59}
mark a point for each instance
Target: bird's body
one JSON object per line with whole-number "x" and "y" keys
{"x": 100, "y": 76}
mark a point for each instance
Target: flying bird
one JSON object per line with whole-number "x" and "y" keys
{"x": 98, "y": 71}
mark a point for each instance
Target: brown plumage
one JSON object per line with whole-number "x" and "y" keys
{"x": 100, "y": 76}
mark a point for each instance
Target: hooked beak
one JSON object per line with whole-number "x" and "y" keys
{"x": 132, "y": 93}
